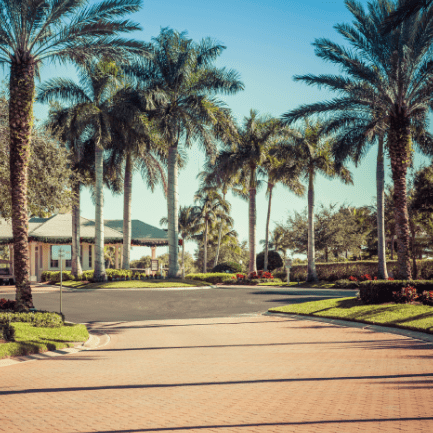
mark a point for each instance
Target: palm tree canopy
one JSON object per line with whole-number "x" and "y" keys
{"x": 405, "y": 10}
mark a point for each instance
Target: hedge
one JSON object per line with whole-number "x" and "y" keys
{"x": 54, "y": 276}
{"x": 227, "y": 266}
{"x": 212, "y": 278}
{"x": 343, "y": 270}
{"x": 380, "y": 291}
{"x": 43, "y": 319}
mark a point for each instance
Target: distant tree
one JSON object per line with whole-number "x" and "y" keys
{"x": 49, "y": 184}
{"x": 274, "y": 261}
{"x": 142, "y": 263}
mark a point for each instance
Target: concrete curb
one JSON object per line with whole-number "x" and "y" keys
{"x": 95, "y": 341}
{"x": 416, "y": 335}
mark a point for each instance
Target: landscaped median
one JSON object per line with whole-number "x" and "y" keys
{"x": 408, "y": 316}
{"x": 29, "y": 333}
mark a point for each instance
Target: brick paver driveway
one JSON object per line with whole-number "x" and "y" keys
{"x": 242, "y": 374}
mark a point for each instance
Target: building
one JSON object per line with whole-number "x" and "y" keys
{"x": 45, "y": 232}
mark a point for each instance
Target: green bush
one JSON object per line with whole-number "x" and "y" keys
{"x": 282, "y": 275}
{"x": 274, "y": 261}
{"x": 213, "y": 278}
{"x": 7, "y": 332}
{"x": 232, "y": 267}
{"x": 380, "y": 291}
{"x": 42, "y": 319}
{"x": 54, "y": 276}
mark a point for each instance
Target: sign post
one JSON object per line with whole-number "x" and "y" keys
{"x": 288, "y": 266}
{"x": 60, "y": 252}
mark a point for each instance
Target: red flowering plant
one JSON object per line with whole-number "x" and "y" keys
{"x": 427, "y": 297}
{"x": 405, "y": 295}
{"x": 240, "y": 276}
{"x": 253, "y": 275}
{"x": 351, "y": 278}
{"x": 365, "y": 277}
{"x": 7, "y": 304}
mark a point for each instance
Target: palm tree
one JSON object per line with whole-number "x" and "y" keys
{"x": 389, "y": 76}
{"x": 182, "y": 72}
{"x": 314, "y": 154}
{"x": 188, "y": 228}
{"x": 33, "y": 32}
{"x": 134, "y": 144}
{"x": 93, "y": 98}
{"x": 244, "y": 162}
{"x": 284, "y": 172}
{"x": 212, "y": 179}
{"x": 405, "y": 10}
{"x": 211, "y": 206}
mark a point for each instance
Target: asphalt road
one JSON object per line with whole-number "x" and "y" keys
{"x": 159, "y": 304}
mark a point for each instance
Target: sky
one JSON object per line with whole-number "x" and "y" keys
{"x": 268, "y": 42}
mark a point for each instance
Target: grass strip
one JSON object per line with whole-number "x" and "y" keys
{"x": 30, "y": 339}
{"x": 406, "y": 316}
{"x": 133, "y": 284}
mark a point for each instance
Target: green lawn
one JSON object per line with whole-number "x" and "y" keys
{"x": 135, "y": 284}
{"x": 30, "y": 339}
{"x": 416, "y": 317}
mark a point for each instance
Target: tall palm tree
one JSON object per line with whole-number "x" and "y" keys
{"x": 210, "y": 206}
{"x": 244, "y": 162}
{"x": 284, "y": 172}
{"x": 183, "y": 73}
{"x": 390, "y": 75}
{"x": 212, "y": 179}
{"x": 188, "y": 228}
{"x": 31, "y": 33}
{"x": 134, "y": 144}
{"x": 313, "y": 153}
{"x": 98, "y": 83}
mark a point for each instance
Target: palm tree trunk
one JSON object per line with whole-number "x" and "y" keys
{"x": 172, "y": 204}
{"x": 392, "y": 246}
{"x": 220, "y": 232}
{"x": 183, "y": 259}
{"x": 127, "y": 193}
{"x": 76, "y": 253}
{"x": 252, "y": 231}
{"x": 268, "y": 218}
{"x": 399, "y": 149}
{"x": 205, "y": 247}
{"x": 99, "y": 274}
{"x": 22, "y": 88}
{"x": 413, "y": 249}
{"x": 312, "y": 275}
{"x": 380, "y": 189}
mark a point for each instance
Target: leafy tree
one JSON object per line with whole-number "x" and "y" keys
{"x": 274, "y": 261}
{"x": 142, "y": 263}
{"x": 186, "y": 79}
{"x": 49, "y": 186}
{"x": 33, "y": 32}
{"x": 390, "y": 73}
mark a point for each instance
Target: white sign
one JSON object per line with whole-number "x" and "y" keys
{"x": 63, "y": 251}
{"x": 288, "y": 263}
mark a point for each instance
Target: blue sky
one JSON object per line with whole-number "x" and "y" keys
{"x": 267, "y": 43}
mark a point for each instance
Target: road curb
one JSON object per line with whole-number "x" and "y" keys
{"x": 415, "y": 335}
{"x": 95, "y": 341}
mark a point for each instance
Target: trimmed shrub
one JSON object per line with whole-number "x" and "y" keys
{"x": 213, "y": 278}
{"x": 274, "y": 260}
{"x": 231, "y": 267}
{"x": 282, "y": 275}
{"x": 380, "y": 291}
{"x": 7, "y": 332}
{"x": 44, "y": 319}
{"x": 54, "y": 276}
{"x": 347, "y": 284}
